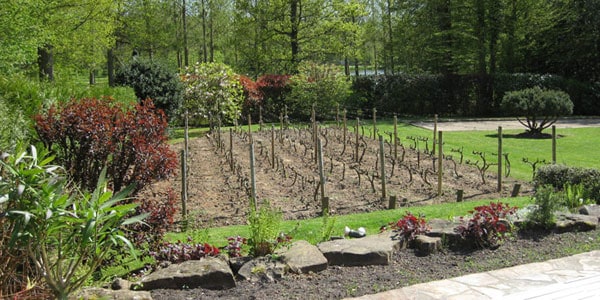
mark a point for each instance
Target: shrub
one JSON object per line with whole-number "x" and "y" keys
{"x": 410, "y": 226}
{"x": 252, "y": 97}
{"x": 560, "y": 175}
{"x": 161, "y": 209}
{"x": 88, "y": 134}
{"x": 541, "y": 108}
{"x": 275, "y": 89}
{"x": 264, "y": 230}
{"x": 547, "y": 202}
{"x": 319, "y": 85}
{"x": 179, "y": 252}
{"x": 488, "y": 226}
{"x": 234, "y": 245}
{"x": 214, "y": 92}
{"x": 150, "y": 80}
{"x": 67, "y": 235}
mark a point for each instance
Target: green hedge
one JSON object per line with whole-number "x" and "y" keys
{"x": 559, "y": 175}
{"x": 461, "y": 95}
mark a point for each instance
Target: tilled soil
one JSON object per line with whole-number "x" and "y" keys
{"x": 406, "y": 269}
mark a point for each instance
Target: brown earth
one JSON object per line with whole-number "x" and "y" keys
{"x": 219, "y": 189}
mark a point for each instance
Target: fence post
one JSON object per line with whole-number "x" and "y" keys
{"x": 440, "y": 162}
{"x": 553, "y": 144}
{"x": 374, "y": 123}
{"x": 252, "y": 178}
{"x": 499, "y": 189}
{"x": 184, "y": 194}
{"x": 356, "y": 133}
{"x": 435, "y": 121}
{"x": 250, "y": 127}
{"x": 273, "y": 145}
{"x": 324, "y": 200}
{"x": 382, "y": 159}
{"x": 231, "y": 164}
{"x": 395, "y": 137}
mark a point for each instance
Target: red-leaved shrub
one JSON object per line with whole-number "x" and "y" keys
{"x": 88, "y": 134}
{"x": 488, "y": 225}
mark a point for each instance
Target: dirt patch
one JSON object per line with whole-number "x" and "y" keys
{"x": 220, "y": 181}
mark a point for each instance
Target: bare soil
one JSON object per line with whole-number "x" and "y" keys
{"x": 220, "y": 182}
{"x": 220, "y": 185}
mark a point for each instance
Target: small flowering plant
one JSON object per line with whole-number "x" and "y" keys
{"x": 488, "y": 226}
{"x": 179, "y": 252}
{"x": 410, "y": 226}
{"x": 234, "y": 245}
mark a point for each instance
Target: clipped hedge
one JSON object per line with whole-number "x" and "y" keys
{"x": 559, "y": 175}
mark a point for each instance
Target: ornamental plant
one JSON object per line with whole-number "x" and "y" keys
{"x": 212, "y": 92}
{"x": 179, "y": 251}
{"x": 274, "y": 89}
{"x": 410, "y": 226}
{"x": 66, "y": 233}
{"x": 234, "y": 245}
{"x": 488, "y": 226}
{"x": 265, "y": 236}
{"x": 88, "y": 134}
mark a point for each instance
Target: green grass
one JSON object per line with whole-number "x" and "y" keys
{"x": 310, "y": 229}
{"x": 575, "y": 146}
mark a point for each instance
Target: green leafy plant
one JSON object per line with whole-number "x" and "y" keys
{"x": 264, "y": 230}
{"x": 213, "y": 92}
{"x": 153, "y": 81}
{"x": 327, "y": 226}
{"x": 574, "y": 196}
{"x": 66, "y": 234}
{"x": 547, "y": 203}
{"x": 488, "y": 226}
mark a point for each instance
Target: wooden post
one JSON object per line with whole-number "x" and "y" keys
{"x": 250, "y": 127}
{"x": 374, "y": 123}
{"x": 337, "y": 115}
{"x": 231, "y": 164}
{"x": 356, "y": 133}
{"x": 345, "y": 127}
{"x": 440, "y": 163}
{"x": 186, "y": 134}
{"x": 184, "y": 184}
{"x": 499, "y": 188}
{"x": 324, "y": 202}
{"x": 553, "y": 144}
{"x": 392, "y": 202}
{"x": 459, "y": 195}
{"x": 382, "y": 164}
{"x": 273, "y": 146}
{"x": 516, "y": 190}
{"x": 395, "y": 137}
{"x": 435, "y": 120}
{"x": 252, "y": 178}
{"x": 281, "y": 128}
{"x": 260, "y": 120}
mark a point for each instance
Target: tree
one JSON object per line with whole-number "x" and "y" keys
{"x": 541, "y": 108}
{"x": 214, "y": 92}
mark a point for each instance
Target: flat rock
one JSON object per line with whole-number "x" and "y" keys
{"x": 590, "y": 210}
{"x": 302, "y": 257}
{"x": 263, "y": 269}
{"x": 426, "y": 245}
{"x": 444, "y": 229}
{"x": 370, "y": 250}
{"x": 100, "y": 293}
{"x": 209, "y": 273}
{"x": 566, "y": 222}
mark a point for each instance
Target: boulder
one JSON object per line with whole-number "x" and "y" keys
{"x": 370, "y": 250}
{"x": 444, "y": 229}
{"x": 426, "y": 245}
{"x": 566, "y": 222}
{"x": 590, "y": 210}
{"x": 263, "y": 269}
{"x": 100, "y": 293}
{"x": 209, "y": 273}
{"x": 302, "y": 257}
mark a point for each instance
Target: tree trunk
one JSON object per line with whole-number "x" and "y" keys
{"x": 295, "y": 25}
{"x": 46, "y": 63}
{"x": 110, "y": 66}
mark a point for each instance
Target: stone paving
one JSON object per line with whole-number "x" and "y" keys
{"x": 575, "y": 277}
